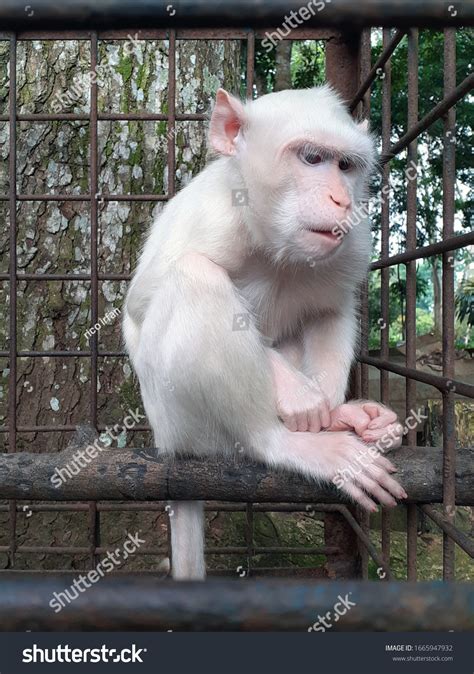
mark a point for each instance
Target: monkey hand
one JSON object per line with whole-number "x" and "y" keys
{"x": 301, "y": 405}
{"x": 361, "y": 471}
{"x": 371, "y": 421}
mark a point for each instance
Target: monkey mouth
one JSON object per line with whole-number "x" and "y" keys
{"x": 325, "y": 233}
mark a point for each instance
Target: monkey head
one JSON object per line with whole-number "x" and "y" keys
{"x": 305, "y": 165}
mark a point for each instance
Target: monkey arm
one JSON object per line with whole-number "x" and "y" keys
{"x": 328, "y": 352}
{"x": 300, "y": 402}
{"x": 199, "y": 375}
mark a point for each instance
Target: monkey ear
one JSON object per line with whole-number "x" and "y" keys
{"x": 364, "y": 125}
{"x": 227, "y": 119}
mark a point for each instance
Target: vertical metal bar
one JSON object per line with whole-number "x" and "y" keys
{"x": 12, "y": 420}
{"x": 250, "y": 71}
{"x": 94, "y": 188}
{"x": 249, "y": 530}
{"x": 249, "y": 536}
{"x": 250, "y": 63}
{"x": 385, "y": 272}
{"x": 365, "y": 66}
{"x": 342, "y": 70}
{"x": 171, "y": 113}
{"x": 410, "y": 315}
{"x": 449, "y": 176}
{"x": 171, "y": 178}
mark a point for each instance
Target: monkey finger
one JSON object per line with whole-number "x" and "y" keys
{"x": 289, "y": 421}
{"x": 385, "y": 463}
{"x": 360, "y": 497}
{"x": 357, "y": 418}
{"x": 325, "y": 415}
{"x": 391, "y": 435}
{"x": 314, "y": 419}
{"x": 347, "y": 418}
{"x": 372, "y": 409}
{"x": 385, "y": 419}
{"x": 386, "y": 481}
{"x": 302, "y": 421}
{"x": 375, "y": 489}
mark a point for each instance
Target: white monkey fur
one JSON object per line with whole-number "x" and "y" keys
{"x": 208, "y": 386}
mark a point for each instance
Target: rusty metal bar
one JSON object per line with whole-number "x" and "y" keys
{"x": 105, "y": 116}
{"x": 363, "y": 516}
{"x": 342, "y": 54}
{"x": 13, "y": 374}
{"x": 449, "y": 418}
{"x": 378, "y": 66}
{"x": 436, "y": 113}
{"x": 120, "y": 14}
{"x": 441, "y": 383}
{"x": 384, "y": 320}
{"x": 410, "y": 307}
{"x": 126, "y": 602}
{"x": 160, "y": 550}
{"x": 94, "y": 523}
{"x": 447, "y": 245}
{"x": 122, "y": 475}
{"x": 364, "y": 538}
{"x": 446, "y": 525}
{"x": 88, "y": 197}
{"x": 250, "y": 72}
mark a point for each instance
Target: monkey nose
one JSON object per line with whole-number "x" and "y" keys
{"x": 340, "y": 200}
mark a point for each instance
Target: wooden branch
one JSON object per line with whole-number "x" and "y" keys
{"x": 126, "y": 474}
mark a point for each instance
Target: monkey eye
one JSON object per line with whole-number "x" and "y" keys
{"x": 345, "y": 165}
{"x": 310, "y": 157}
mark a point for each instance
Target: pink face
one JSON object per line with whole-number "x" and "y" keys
{"x": 324, "y": 184}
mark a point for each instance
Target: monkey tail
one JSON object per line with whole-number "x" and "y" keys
{"x": 187, "y": 540}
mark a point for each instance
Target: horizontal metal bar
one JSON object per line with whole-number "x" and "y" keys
{"x": 212, "y": 550}
{"x": 160, "y": 506}
{"x": 441, "y": 383}
{"x": 378, "y": 65}
{"x": 59, "y": 428}
{"x": 464, "y": 542}
{"x": 221, "y": 33}
{"x": 105, "y": 116}
{"x": 21, "y": 276}
{"x": 91, "y": 14}
{"x": 64, "y": 354}
{"x": 449, "y": 244}
{"x": 87, "y": 197}
{"x": 127, "y": 602}
{"x": 122, "y": 475}
{"x": 436, "y": 113}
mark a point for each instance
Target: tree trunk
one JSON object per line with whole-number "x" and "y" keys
{"x": 437, "y": 296}
{"x": 54, "y": 237}
{"x": 283, "y": 65}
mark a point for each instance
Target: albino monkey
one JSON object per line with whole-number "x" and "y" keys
{"x": 241, "y": 318}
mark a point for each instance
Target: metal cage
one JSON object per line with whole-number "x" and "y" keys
{"x": 349, "y": 67}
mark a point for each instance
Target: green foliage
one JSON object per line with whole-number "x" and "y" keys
{"x": 465, "y": 302}
{"x": 307, "y": 65}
